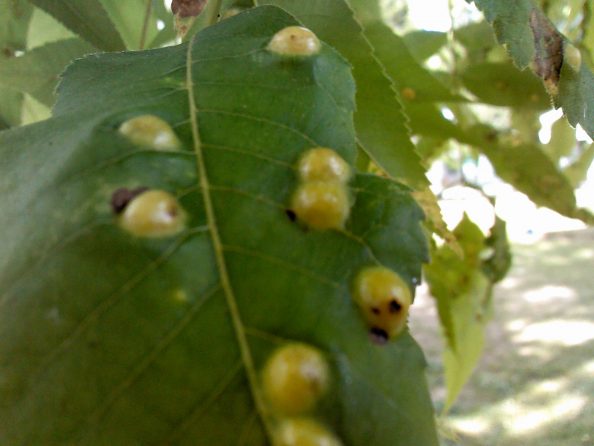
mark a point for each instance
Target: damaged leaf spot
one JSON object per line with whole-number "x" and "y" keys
{"x": 187, "y": 8}
{"x": 121, "y": 197}
{"x": 548, "y": 50}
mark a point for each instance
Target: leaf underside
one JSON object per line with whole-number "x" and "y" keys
{"x": 110, "y": 339}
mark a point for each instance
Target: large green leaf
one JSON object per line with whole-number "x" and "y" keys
{"x": 379, "y": 120}
{"x": 37, "y": 71}
{"x": 106, "y": 338}
{"x": 531, "y": 39}
{"x": 88, "y": 19}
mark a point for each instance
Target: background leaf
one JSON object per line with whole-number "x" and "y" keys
{"x": 462, "y": 292}
{"x": 109, "y": 338}
{"x": 36, "y": 72}
{"x": 14, "y": 20}
{"x": 88, "y": 19}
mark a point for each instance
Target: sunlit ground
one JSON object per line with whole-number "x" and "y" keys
{"x": 535, "y": 383}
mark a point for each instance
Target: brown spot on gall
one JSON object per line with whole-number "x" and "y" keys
{"x": 121, "y": 197}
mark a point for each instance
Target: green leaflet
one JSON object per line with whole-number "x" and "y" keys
{"x": 379, "y": 120}
{"x": 462, "y": 291}
{"x": 88, "y": 19}
{"x": 532, "y": 40}
{"x": 108, "y": 338}
{"x": 36, "y": 72}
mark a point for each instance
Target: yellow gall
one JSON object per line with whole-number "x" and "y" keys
{"x": 150, "y": 131}
{"x": 304, "y": 432}
{"x": 295, "y": 41}
{"x": 323, "y": 164}
{"x": 321, "y": 204}
{"x": 294, "y": 378}
{"x": 154, "y": 213}
{"x": 383, "y": 298}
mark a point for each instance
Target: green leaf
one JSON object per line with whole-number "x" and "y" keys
{"x": 462, "y": 293}
{"x": 424, "y": 44}
{"x": 110, "y": 338}
{"x": 36, "y": 72}
{"x": 379, "y": 119}
{"x": 531, "y": 39}
{"x": 562, "y": 140}
{"x": 470, "y": 325}
{"x": 504, "y": 85}
{"x": 14, "y": 20}
{"x": 577, "y": 171}
{"x": 88, "y": 19}
{"x": 45, "y": 29}
{"x": 499, "y": 261}
{"x": 477, "y": 39}
{"x": 129, "y": 18}
{"x": 530, "y": 170}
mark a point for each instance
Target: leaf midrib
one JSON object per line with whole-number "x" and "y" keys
{"x": 239, "y": 329}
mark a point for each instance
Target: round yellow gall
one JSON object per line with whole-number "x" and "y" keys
{"x": 383, "y": 298}
{"x": 304, "y": 432}
{"x": 323, "y": 164}
{"x": 150, "y": 131}
{"x": 321, "y": 205}
{"x": 154, "y": 213}
{"x": 294, "y": 378}
{"x": 295, "y": 41}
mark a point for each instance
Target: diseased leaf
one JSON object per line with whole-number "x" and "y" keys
{"x": 36, "y": 72}
{"x": 88, "y": 19}
{"x": 379, "y": 119}
{"x": 108, "y": 338}
{"x": 531, "y": 39}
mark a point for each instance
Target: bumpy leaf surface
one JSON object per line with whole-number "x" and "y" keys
{"x": 106, "y": 338}
{"x": 379, "y": 120}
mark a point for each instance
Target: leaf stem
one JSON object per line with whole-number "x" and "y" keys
{"x": 147, "y": 15}
{"x": 214, "y": 12}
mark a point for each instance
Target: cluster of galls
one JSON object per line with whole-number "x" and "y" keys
{"x": 296, "y": 376}
{"x": 321, "y": 200}
{"x": 147, "y": 212}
